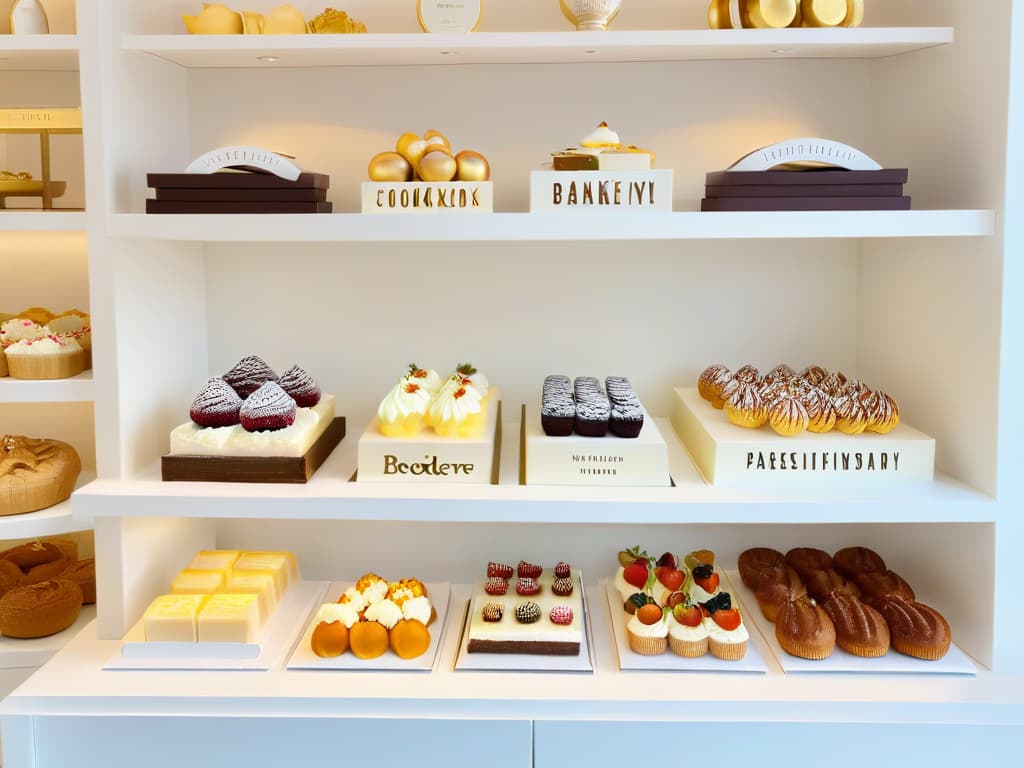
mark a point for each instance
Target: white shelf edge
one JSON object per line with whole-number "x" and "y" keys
{"x": 12, "y": 220}
{"x": 330, "y": 496}
{"x": 524, "y": 227}
{"x": 20, "y": 654}
{"x": 619, "y": 46}
{"x": 52, "y": 521}
{"x": 77, "y": 389}
{"x": 55, "y": 53}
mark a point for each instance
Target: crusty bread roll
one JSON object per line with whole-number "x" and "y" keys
{"x": 28, "y": 556}
{"x": 83, "y": 573}
{"x": 35, "y": 474}
{"x": 39, "y": 610}
{"x": 10, "y": 576}
{"x": 804, "y": 629}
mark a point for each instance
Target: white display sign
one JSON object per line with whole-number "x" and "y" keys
{"x": 807, "y": 150}
{"x": 604, "y": 191}
{"x": 245, "y": 157}
{"x": 428, "y": 197}
{"x": 450, "y": 15}
{"x": 729, "y": 455}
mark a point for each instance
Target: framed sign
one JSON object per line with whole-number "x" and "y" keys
{"x": 449, "y": 15}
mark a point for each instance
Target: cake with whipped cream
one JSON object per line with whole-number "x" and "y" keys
{"x": 602, "y": 150}
{"x": 455, "y": 406}
{"x": 527, "y": 610}
{"x": 251, "y": 411}
{"x": 45, "y": 357}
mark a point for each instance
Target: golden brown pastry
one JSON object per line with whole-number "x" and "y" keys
{"x": 745, "y": 407}
{"x": 68, "y": 546}
{"x": 35, "y": 474}
{"x": 47, "y": 570}
{"x": 860, "y": 629}
{"x": 10, "y": 576}
{"x": 814, "y": 375}
{"x": 806, "y": 560}
{"x": 883, "y": 412}
{"x": 873, "y": 585}
{"x": 821, "y": 584}
{"x": 329, "y": 639}
{"x": 39, "y": 610}
{"x": 771, "y": 596}
{"x": 711, "y": 382}
{"x": 916, "y": 629}
{"x": 803, "y": 629}
{"x": 761, "y": 565}
{"x": 851, "y": 414}
{"x": 821, "y": 414}
{"x": 851, "y": 561}
{"x": 83, "y": 573}
{"x": 28, "y": 556}
{"x": 787, "y": 415}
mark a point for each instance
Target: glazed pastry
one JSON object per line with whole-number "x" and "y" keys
{"x": 368, "y": 639}
{"x": 806, "y": 560}
{"x": 814, "y": 375}
{"x": 267, "y": 409}
{"x": 248, "y": 375}
{"x": 593, "y": 409}
{"x": 35, "y": 474}
{"x": 558, "y": 408}
{"x": 300, "y": 386}
{"x": 884, "y": 413}
{"x": 860, "y": 629}
{"x": 805, "y": 630}
{"x": 875, "y": 584}
{"x": 761, "y": 565}
{"x": 39, "y": 610}
{"x": 782, "y": 372}
{"x": 216, "y": 405}
{"x": 744, "y": 406}
{"x": 851, "y": 415}
{"x": 627, "y": 415}
{"x": 457, "y": 411}
{"x": 851, "y": 561}
{"x": 821, "y": 584}
{"x": 821, "y": 413}
{"x": 787, "y": 415}
{"x": 402, "y": 412}
{"x": 916, "y": 629}
{"x": 772, "y": 595}
{"x": 711, "y": 383}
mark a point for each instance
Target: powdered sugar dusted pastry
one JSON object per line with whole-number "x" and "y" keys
{"x": 302, "y": 388}
{"x": 787, "y": 415}
{"x": 269, "y": 408}
{"x": 627, "y": 416}
{"x": 745, "y": 407}
{"x": 711, "y": 382}
{"x": 216, "y": 405}
{"x": 248, "y": 375}
{"x": 593, "y": 409}
{"x": 558, "y": 408}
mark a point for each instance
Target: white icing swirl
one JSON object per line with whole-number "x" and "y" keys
{"x": 417, "y": 608}
{"x": 726, "y": 636}
{"x": 407, "y": 398}
{"x": 50, "y": 345}
{"x": 602, "y": 136}
{"x": 18, "y": 329}
{"x": 455, "y": 402}
{"x": 355, "y": 598}
{"x": 685, "y": 633}
{"x": 638, "y": 628}
{"x": 343, "y": 612}
{"x": 384, "y": 612}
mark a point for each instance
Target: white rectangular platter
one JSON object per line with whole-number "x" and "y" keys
{"x": 269, "y": 653}
{"x": 752, "y": 663}
{"x": 304, "y": 658}
{"x": 956, "y": 662}
{"x": 608, "y": 460}
{"x": 759, "y": 458}
{"x": 522, "y": 662}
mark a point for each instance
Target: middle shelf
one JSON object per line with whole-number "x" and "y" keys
{"x": 331, "y": 495}
{"x": 77, "y": 389}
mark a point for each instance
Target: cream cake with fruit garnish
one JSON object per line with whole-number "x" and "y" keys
{"x": 451, "y": 407}
{"x": 402, "y": 412}
{"x": 250, "y": 411}
{"x": 538, "y": 612}
{"x": 49, "y": 357}
{"x": 602, "y": 150}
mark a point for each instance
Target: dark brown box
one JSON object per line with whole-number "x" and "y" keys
{"x": 300, "y": 195}
{"x": 805, "y": 204}
{"x": 812, "y": 176}
{"x": 182, "y": 206}
{"x": 804, "y": 190}
{"x": 236, "y": 180}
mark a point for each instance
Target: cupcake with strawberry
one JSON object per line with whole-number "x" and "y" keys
{"x": 647, "y": 631}
{"x": 635, "y": 573}
{"x": 705, "y": 582}
{"x": 687, "y": 633}
{"x": 727, "y": 635}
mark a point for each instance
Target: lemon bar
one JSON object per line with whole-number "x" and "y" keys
{"x": 172, "y": 618}
{"x": 260, "y": 583}
{"x": 196, "y": 582}
{"x": 230, "y": 619}
{"x": 215, "y": 560}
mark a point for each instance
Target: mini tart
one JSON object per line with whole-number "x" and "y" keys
{"x": 916, "y": 629}
{"x": 647, "y": 639}
{"x": 688, "y": 642}
{"x": 805, "y": 630}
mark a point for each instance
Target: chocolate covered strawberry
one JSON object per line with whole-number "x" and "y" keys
{"x": 301, "y": 386}
{"x": 248, "y": 375}
{"x": 267, "y": 409}
{"x": 216, "y": 405}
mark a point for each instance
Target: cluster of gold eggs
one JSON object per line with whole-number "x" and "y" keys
{"x": 428, "y": 158}
{"x": 776, "y": 14}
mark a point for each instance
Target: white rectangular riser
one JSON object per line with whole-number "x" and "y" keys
{"x": 603, "y": 191}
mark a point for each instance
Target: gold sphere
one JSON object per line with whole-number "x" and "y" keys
{"x": 768, "y": 14}
{"x": 436, "y": 138}
{"x": 390, "y": 166}
{"x": 437, "y": 165}
{"x": 472, "y": 166}
{"x": 411, "y": 147}
{"x": 823, "y": 13}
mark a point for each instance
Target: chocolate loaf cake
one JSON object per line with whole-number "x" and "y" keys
{"x": 627, "y": 416}
{"x": 593, "y": 409}
{"x": 558, "y": 409}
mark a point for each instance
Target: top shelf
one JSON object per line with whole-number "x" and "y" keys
{"x": 240, "y": 51}
{"x": 54, "y": 53}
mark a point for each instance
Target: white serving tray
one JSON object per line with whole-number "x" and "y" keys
{"x": 956, "y": 662}
{"x": 274, "y": 643}
{"x": 752, "y": 663}
{"x": 526, "y": 662}
{"x": 304, "y": 658}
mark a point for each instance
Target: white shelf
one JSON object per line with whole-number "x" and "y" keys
{"x": 77, "y": 389}
{"x": 330, "y": 495}
{"x": 41, "y": 221}
{"x": 55, "y": 53}
{"x": 74, "y": 684}
{"x": 524, "y": 227}
{"x": 220, "y": 51}
{"x": 52, "y": 521}
{"x": 17, "y": 654}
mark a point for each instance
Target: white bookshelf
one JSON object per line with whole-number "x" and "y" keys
{"x": 49, "y": 53}
{"x": 76, "y": 389}
{"x": 41, "y": 221}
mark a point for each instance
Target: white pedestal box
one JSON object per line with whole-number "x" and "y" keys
{"x": 449, "y": 197}
{"x": 608, "y": 460}
{"x": 430, "y": 458}
{"x": 604, "y": 191}
{"x": 729, "y": 455}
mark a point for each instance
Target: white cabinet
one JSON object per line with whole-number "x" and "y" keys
{"x": 920, "y": 303}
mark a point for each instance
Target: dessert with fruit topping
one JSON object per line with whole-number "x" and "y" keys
{"x": 647, "y": 631}
{"x": 537, "y": 618}
{"x": 451, "y": 407}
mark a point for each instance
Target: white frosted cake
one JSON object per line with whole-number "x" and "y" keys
{"x": 541, "y": 624}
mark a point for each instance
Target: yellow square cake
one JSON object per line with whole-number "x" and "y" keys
{"x": 260, "y": 583}
{"x": 196, "y": 582}
{"x": 215, "y": 560}
{"x": 230, "y": 619}
{"x": 172, "y": 618}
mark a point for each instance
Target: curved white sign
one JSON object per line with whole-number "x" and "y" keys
{"x": 245, "y": 157}
{"x": 808, "y": 150}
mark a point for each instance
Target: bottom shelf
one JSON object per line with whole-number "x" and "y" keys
{"x": 16, "y": 654}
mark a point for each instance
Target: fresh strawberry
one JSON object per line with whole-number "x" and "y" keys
{"x": 688, "y": 615}
{"x": 727, "y": 620}
{"x": 667, "y": 560}
{"x": 636, "y": 574}
{"x": 671, "y": 578}
{"x": 709, "y": 584}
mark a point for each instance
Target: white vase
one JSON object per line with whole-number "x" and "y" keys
{"x": 28, "y": 17}
{"x": 590, "y": 15}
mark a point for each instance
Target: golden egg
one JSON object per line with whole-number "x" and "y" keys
{"x": 472, "y": 166}
{"x": 823, "y": 13}
{"x": 437, "y": 138}
{"x": 437, "y": 166}
{"x": 411, "y": 147}
{"x": 390, "y": 166}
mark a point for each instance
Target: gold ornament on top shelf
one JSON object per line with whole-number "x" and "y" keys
{"x": 214, "y": 19}
{"x": 590, "y": 15}
{"x": 218, "y": 19}
{"x": 777, "y": 14}
{"x": 822, "y": 13}
{"x": 428, "y": 158}
{"x": 332, "y": 22}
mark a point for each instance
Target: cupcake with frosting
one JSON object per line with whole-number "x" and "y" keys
{"x": 458, "y": 410}
{"x": 402, "y": 412}
{"x": 647, "y": 631}
{"x": 687, "y": 631}
{"x": 49, "y": 357}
